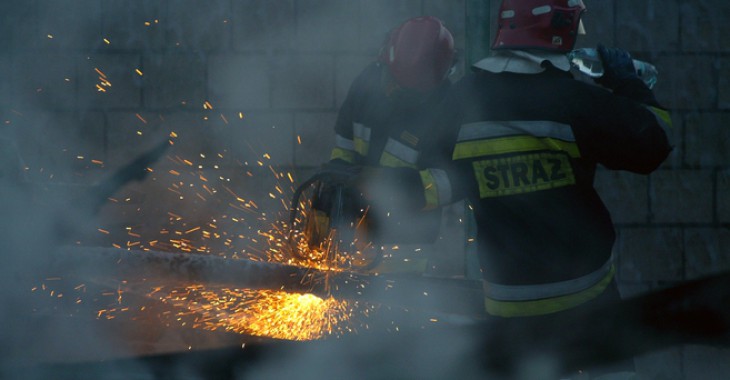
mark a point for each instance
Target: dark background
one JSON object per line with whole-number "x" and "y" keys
{"x": 285, "y": 66}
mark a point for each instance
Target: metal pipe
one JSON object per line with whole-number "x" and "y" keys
{"x": 454, "y": 296}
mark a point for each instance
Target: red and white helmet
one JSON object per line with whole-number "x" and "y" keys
{"x": 539, "y": 24}
{"x": 419, "y": 53}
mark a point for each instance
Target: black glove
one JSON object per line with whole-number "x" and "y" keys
{"x": 618, "y": 67}
{"x": 338, "y": 171}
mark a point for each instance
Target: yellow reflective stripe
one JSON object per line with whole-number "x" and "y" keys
{"x": 547, "y": 305}
{"x": 430, "y": 189}
{"x": 401, "y": 151}
{"x": 343, "y": 154}
{"x": 392, "y": 161}
{"x": 512, "y": 144}
{"x": 361, "y": 146}
{"x": 663, "y": 117}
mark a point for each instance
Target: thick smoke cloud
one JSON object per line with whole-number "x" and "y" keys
{"x": 105, "y": 81}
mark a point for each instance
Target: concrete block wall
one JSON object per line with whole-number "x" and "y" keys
{"x": 243, "y": 84}
{"x": 673, "y": 224}
{"x": 689, "y": 192}
{"x": 90, "y": 84}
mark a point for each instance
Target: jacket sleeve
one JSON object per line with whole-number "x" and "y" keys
{"x": 623, "y": 130}
{"x": 344, "y": 146}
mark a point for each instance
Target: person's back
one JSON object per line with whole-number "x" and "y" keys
{"x": 527, "y": 139}
{"x": 381, "y": 133}
{"x": 529, "y": 144}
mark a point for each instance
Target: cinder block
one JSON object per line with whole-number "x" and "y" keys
{"x": 347, "y": 68}
{"x": 650, "y": 254}
{"x": 494, "y": 16}
{"x": 686, "y": 83}
{"x": 263, "y": 25}
{"x": 707, "y": 251}
{"x": 681, "y": 196}
{"x": 267, "y": 138}
{"x": 110, "y": 81}
{"x": 203, "y": 138}
{"x": 200, "y": 25}
{"x": 303, "y": 81}
{"x": 239, "y": 82}
{"x": 18, "y": 25}
{"x": 69, "y": 146}
{"x": 5, "y": 67}
{"x": 724, "y": 85}
{"x": 661, "y": 365}
{"x": 647, "y": 25}
{"x": 706, "y": 362}
{"x": 129, "y": 134}
{"x": 704, "y": 26}
{"x": 44, "y": 80}
{"x": 723, "y": 196}
{"x": 70, "y": 24}
{"x": 598, "y": 21}
{"x": 316, "y": 131}
{"x": 382, "y": 16}
{"x": 707, "y": 139}
{"x": 625, "y": 195}
{"x": 327, "y": 25}
{"x": 174, "y": 80}
{"x": 132, "y": 24}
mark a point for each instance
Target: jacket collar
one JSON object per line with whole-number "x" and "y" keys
{"x": 522, "y": 61}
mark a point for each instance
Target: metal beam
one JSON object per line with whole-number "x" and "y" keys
{"x": 150, "y": 268}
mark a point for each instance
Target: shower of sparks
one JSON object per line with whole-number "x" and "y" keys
{"x": 103, "y": 81}
{"x": 236, "y": 227}
{"x": 265, "y": 313}
{"x": 214, "y": 217}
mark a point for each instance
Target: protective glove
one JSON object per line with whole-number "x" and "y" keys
{"x": 337, "y": 171}
{"x": 618, "y": 67}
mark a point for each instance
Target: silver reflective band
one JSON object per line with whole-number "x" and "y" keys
{"x": 491, "y": 129}
{"x": 541, "y": 10}
{"x": 344, "y": 143}
{"x": 508, "y": 14}
{"x": 443, "y": 185}
{"x": 542, "y": 291}
{"x": 360, "y": 131}
{"x": 402, "y": 152}
{"x": 573, "y": 3}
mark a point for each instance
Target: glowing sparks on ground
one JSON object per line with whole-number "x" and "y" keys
{"x": 265, "y": 313}
{"x": 216, "y": 217}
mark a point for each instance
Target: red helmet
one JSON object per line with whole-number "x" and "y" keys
{"x": 419, "y": 53}
{"x": 539, "y": 24}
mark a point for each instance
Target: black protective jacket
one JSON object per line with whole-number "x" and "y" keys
{"x": 525, "y": 152}
{"x": 390, "y": 132}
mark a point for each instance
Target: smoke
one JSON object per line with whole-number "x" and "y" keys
{"x": 247, "y": 89}
{"x": 95, "y": 85}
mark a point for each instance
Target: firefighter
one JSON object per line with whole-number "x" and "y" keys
{"x": 528, "y": 137}
{"x": 380, "y": 128}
